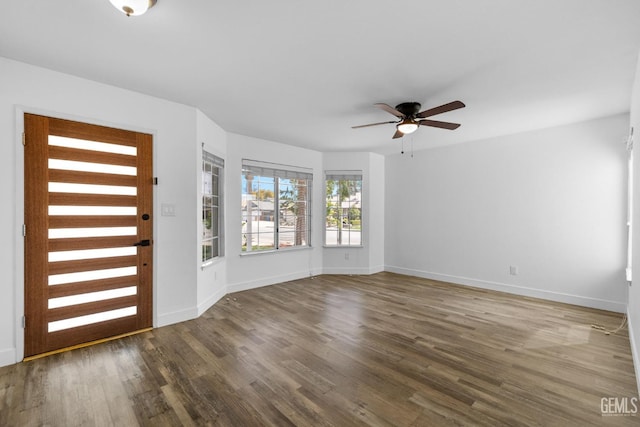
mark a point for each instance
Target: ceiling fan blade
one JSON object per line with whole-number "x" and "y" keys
{"x": 398, "y": 134}
{"x": 372, "y": 124}
{"x": 441, "y": 109}
{"x": 438, "y": 124}
{"x": 389, "y": 109}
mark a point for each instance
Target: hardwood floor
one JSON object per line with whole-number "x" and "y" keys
{"x": 380, "y": 350}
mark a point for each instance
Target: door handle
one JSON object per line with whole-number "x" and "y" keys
{"x": 142, "y": 243}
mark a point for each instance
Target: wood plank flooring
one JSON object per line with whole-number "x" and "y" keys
{"x": 379, "y": 350}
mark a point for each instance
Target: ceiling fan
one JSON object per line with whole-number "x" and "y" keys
{"x": 410, "y": 117}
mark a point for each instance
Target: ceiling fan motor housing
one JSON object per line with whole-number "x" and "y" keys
{"x": 409, "y": 109}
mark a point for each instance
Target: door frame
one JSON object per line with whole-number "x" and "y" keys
{"x": 19, "y": 260}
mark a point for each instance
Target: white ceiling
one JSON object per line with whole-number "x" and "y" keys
{"x": 303, "y": 73}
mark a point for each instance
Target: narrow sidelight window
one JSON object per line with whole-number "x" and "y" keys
{"x": 212, "y": 173}
{"x": 343, "y": 225}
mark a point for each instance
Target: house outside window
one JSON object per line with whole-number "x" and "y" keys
{"x": 212, "y": 173}
{"x": 276, "y": 208}
{"x": 343, "y": 221}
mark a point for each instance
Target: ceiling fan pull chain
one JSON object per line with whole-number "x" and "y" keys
{"x": 412, "y": 146}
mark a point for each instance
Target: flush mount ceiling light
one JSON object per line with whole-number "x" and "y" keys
{"x": 408, "y": 125}
{"x": 133, "y": 7}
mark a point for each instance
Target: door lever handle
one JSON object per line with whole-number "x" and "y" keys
{"x": 142, "y": 243}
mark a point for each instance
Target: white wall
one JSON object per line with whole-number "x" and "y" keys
{"x": 377, "y": 197}
{"x": 369, "y": 258}
{"x": 260, "y": 269}
{"x": 212, "y": 279}
{"x": 24, "y": 88}
{"x": 551, "y": 203}
{"x": 633, "y": 309}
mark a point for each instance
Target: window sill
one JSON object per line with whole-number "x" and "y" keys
{"x": 342, "y": 246}
{"x": 211, "y": 262}
{"x": 273, "y": 251}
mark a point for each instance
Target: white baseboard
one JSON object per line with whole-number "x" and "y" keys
{"x": 634, "y": 350}
{"x": 601, "y": 304}
{"x": 376, "y": 269}
{"x": 209, "y": 302}
{"x": 315, "y": 272}
{"x": 352, "y": 270}
{"x": 8, "y": 357}
{"x": 266, "y": 281}
{"x": 176, "y": 317}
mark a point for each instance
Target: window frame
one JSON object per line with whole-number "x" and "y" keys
{"x": 216, "y": 185}
{"x": 350, "y": 175}
{"x": 630, "y": 175}
{"x": 273, "y": 178}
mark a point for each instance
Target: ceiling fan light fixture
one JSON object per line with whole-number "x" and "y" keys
{"x": 407, "y": 126}
{"x": 133, "y": 7}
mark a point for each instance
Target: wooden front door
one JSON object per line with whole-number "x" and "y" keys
{"x": 88, "y": 233}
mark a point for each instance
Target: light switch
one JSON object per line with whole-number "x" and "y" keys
{"x": 168, "y": 209}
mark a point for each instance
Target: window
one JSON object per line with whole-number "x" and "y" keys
{"x": 212, "y": 168}
{"x": 276, "y": 210}
{"x": 343, "y": 225}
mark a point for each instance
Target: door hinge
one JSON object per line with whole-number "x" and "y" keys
{"x": 155, "y": 180}
{"x": 24, "y": 139}
{"x": 24, "y": 322}
{"x": 24, "y": 230}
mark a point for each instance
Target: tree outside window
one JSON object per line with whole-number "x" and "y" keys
{"x": 343, "y": 226}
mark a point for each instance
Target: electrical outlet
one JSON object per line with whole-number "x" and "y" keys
{"x": 513, "y": 270}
